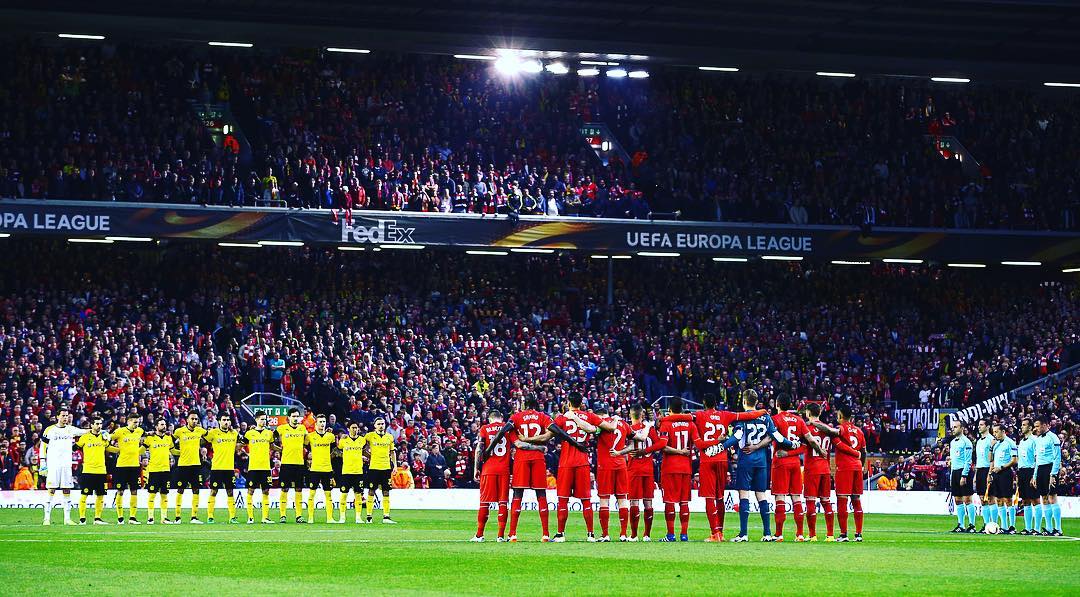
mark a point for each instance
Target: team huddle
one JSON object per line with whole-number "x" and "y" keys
{"x": 760, "y": 448}
{"x": 1006, "y": 473}
{"x": 366, "y": 465}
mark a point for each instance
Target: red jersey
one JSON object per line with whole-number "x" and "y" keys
{"x": 817, "y": 464}
{"x": 681, "y": 434}
{"x": 849, "y": 446}
{"x": 527, "y": 424}
{"x": 499, "y": 461}
{"x": 643, "y": 465}
{"x": 712, "y": 427}
{"x": 612, "y": 440}
{"x": 792, "y": 427}
{"x": 570, "y": 455}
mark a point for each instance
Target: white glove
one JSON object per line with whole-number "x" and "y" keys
{"x": 713, "y": 450}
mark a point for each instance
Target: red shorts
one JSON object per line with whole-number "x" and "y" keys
{"x": 676, "y": 487}
{"x": 787, "y": 480}
{"x": 612, "y": 482}
{"x": 849, "y": 482}
{"x": 713, "y": 476}
{"x": 494, "y": 489}
{"x": 642, "y": 487}
{"x": 574, "y": 482}
{"x": 529, "y": 474}
{"x": 816, "y": 485}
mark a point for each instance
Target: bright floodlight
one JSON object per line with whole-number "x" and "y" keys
{"x": 616, "y": 73}
{"x": 557, "y": 68}
{"x": 638, "y": 74}
{"x": 1052, "y": 84}
{"x": 230, "y": 44}
{"x": 588, "y": 72}
{"x": 531, "y": 66}
{"x": 824, "y": 73}
{"x": 80, "y": 36}
{"x": 950, "y": 79}
{"x": 473, "y": 57}
{"x": 348, "y": 50}
{"x": 722, "y": 69}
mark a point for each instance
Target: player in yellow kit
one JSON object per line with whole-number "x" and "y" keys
{"x": 222, "y": 466}
{"x": 258, "y": 441}
{"x": 382, "y": 460}
{"x": 189, "y": 465}
{"x": 92, "y": 477}
{"x": 321, "y": 473}
{"x": 352, "y": 471}
{"x": 292, "y": 436}
{"x": 127, "y": 441}
{"x": 159, "y": 469}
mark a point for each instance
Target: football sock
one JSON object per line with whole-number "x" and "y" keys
{"x": 99, "y": 505}
{"x": 827, "y": 506}
{"x": 720, "y": 515}
{"x": 798, "y": 507}
{"x": 986, "y": 509}
{"x": 481, "y": 519}
{"x": 605, "y": 515}
{"x": 82, "y": 506}
{"x": 1012, "y": 517}
{"x": 119, "y": 504}
{"x": 211, "y": 506}
{"x": 960, "y": 511}
{"x": 562, "y": 511}
{"x": 669, "y": 517}
{"x": 515, "y": 512}
{"x": 251, "y": 504}
{"x": 586, "y": 513}
{"x": 1029, "y": 516}
{"x": 298, "y": 503}
{"x": 311, "y": 506}
{"x": 371, "y": 505}
{"x": 710, "y": 513}
{"x": 841, "y": 513}
{"x": 231, "y": 504}
{"x": 624, "y": 515}
{"x": 781, "y": 507}
{"x": 542, "y": 506}
{"x": 1057, "y": 516}
{"x": 744, "y": 515}
{"x": 635, "y": 518}
{"x": 763, "y": 509}
{"x": 386, "y": 504}
{"x": 1038, "y": 516}
{"x": 857, "y": 505}
{"x": 283, "y": 502}
{"x": 684, "y": 517}
{"x": 971, "y": 514}
{"x": 502, "y": 518}
{"x": 194, "y": 503}
{"x": 649, "y": 512}
{"x": 133, "y": 504}
{"x": 358, "y": 504}
{"x": 811, "y": 517}
{"x": 179, "y": 500}
{"x": 343, "y": 503}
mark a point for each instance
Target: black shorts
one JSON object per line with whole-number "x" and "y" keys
{"x": 1027, "y": 490}
{"x": 353, "y": 481}
{"x": 222, "y": 480}
{"x": 1003, "y": 484}
{"x": 292, "y": 476}
{"x": 961, "y": 489}
{"x": 377, "y": 479}
{"x": 92, "y": 483}
{"x": 158, "y": 482}
{"x": 126, "y": 477}
{"x": 981, "y": 477}
{"x": 1042, "y": 480}
{"x": 316, "y": 479}
{"x": 258, "y": 480}
{"x": 188, "y": 477}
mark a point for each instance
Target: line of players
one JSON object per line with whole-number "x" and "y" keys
{"x": 510, "y": 455}
{"x": 311, "y": 469}
{"x": 1006, "y": 473}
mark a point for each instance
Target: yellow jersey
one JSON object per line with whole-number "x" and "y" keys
{"x": 160, "y": 447}
{"x": 320, "y": 451}
{"x": 259, "y": 449}
{"x": 93, "y": 450}
{"x": 190, "y": 441}
{"x": 224, "y": 443}
{"x": 380, "y": 446}
{"x": 352, "y": 455}
{"x": 130, "y": 443}
{"x": 292, "y": 443}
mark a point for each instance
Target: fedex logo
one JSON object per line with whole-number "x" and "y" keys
{"x": 386, "y": 231}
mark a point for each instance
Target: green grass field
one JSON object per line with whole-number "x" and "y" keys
{"x": 429, "y": 552}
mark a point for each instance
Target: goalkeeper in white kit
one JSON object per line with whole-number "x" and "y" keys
{"x": 58, "y": 440}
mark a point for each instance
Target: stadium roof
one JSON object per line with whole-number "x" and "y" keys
{"x": 1006, "y": 39}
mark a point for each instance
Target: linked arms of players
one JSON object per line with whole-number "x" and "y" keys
{"x": 841, "y": 445}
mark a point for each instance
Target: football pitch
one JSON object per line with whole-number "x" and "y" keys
{"x": 428, "y": 552}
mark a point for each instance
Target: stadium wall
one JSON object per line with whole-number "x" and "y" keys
{"x": 874, "y": 502}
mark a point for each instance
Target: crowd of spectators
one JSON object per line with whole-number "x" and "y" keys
{"x": 426, "y": 133}
{"x": 434, "y": 339}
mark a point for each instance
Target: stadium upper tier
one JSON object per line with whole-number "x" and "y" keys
{"x": 424, "y": 133}
{"x": 434, "y": 338}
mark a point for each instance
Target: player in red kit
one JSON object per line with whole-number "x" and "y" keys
{"x": 573, "y": 479}
{"x": 644, "y": 443}
{"x": 712, "y": 427}
{"x": 850, "y": 456}
{"x": 787, "y": 477}
{"x": 493, "y": 471}
{"x": 817, "y": 480}
{"x": 612, "y": 474}
{"x": 529, "y": 471}
{"x": 681, "y": 434}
